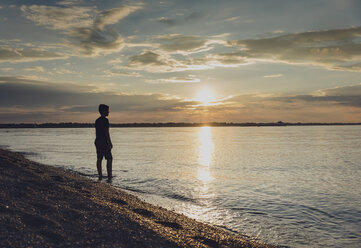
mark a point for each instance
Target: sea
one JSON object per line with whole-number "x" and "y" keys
{"x": 297, "y": 186}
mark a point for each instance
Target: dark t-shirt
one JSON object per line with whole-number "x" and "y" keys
{"x": 102, "y": 130}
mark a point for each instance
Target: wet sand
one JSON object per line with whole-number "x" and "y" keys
{"x": 44, "y": 206}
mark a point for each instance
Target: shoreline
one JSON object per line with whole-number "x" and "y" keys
{"x": 45, "y": 206}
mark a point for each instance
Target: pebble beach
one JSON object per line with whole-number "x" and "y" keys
{"x": 45, "y": 206}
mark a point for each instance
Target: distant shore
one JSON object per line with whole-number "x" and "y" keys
{"x": 171, "y": 124}
{"x": 44, "y": 206}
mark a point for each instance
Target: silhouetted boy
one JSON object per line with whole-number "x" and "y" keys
{"x": 102, "y": 142}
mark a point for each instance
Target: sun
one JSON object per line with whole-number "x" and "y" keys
{"x": 206, "y": 95}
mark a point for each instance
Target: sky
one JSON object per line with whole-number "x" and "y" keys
{"x": 180, "y": 60}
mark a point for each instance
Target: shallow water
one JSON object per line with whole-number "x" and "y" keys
{"x": 296, "y": 186}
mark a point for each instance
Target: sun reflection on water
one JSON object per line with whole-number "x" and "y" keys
{"x": 205, "y": 154}
{"x": 205, "y": 209}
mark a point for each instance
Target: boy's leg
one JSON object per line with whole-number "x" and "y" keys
{"x": 109, "y": 157}
{"x": 99, "y": 167}
{"x": 109, "y": 167}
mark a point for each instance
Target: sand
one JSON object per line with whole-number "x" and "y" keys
{"x": 44, "y": 206}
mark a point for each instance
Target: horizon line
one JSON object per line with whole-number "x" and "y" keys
{"x": 170, "y": 124}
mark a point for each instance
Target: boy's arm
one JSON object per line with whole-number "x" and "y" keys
{"x": 108, "y": 136}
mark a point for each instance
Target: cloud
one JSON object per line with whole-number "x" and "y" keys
{"x": 35, "y": 68}
{"x": 112, "y": 16}
{"x": 176, "y": 43}
{"x": 279, "y": 31}
{"x": 23, "y": 99}
{"x": 231, "y": 59}
{"x": 333, "y": 49}
{"x": 351, "y": 90}
{"x": 158, "y": 61}
{"x": 185, "y": 45}
{"x": 152, "y": 62}
{"x": 232, "y": 19}
{"x": 189, "y": 79}
{"x": 69, "y": 2}
{"x": 273, "y": 76}
{"x": 341, "y": 104}
{"x": 7, "y": 69}
{"x": 60, "y": 70}
{"x": 115, "y": 61}
{"x": 192, "y": 17}
{"x": 124, "y": 73}
{"x": 164, "y": 20}
{"x": 85, "y": 27}
{"x": 343, "y": 96}
{"x": 25, "y": 54}
{"x": 346, "y": 95}
{"x": 19, "y": 95}
{"x": 147, "y": 58}
{"x": 92, "y": 42}
{"x": 59, "y": 18}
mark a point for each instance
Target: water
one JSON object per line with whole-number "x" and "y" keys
{"x": 295, "y": 186}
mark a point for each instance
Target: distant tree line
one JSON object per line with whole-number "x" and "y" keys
{"x": 168, "y": 124}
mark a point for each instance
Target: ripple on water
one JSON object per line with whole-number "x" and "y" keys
{"x": 296, "y": 186}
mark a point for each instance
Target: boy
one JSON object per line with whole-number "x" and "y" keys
{"x": 102, "y": 142}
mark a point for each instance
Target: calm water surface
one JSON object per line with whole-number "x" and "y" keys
{"x": 295, "y": 186}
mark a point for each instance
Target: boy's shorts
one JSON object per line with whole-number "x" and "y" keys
{"x": 104, "y": 153}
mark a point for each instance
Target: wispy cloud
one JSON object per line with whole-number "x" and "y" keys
{"x": 338, "y": 49}
{"x": 86, "y": 27}
{"x": 25, "y": 54}
{"x": 332, "y": 49}
{"x": 182, "y": 19}
{"x": 60, "y": 70}
{"x": 342, "y": 96}
{"x": 70, "y": 2}
{"x": 345, "y": 95}
{"x": 273, "y": 76}
{"x": 279, "y": 31}
{"x": 159, "y": 62}
{"x": 23, "y": 94}
{"x": 30, "y": 99}
{"x": 113, "y": 16}
{"x": 59, "y": 18}
{"x": 35, "y": 68}
{"x": 171, "y": 54}
{"x": 188, "y": 79}
{"x": 176, "y": 43}
{"x": 165, "y": 20}
{"x": 152, "y": 62}
{"x": 7, "y": 69}
{"x": 123, "y": 73}
{"x": 341, "y": 104}
{"x": 232, "y": 19}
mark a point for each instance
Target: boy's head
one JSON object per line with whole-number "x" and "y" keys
{"x": 104, "y": 109}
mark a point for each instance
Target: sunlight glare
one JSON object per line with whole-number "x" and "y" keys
{"x": 205, "y": 154}
{"x": 204, "y": 174}
{"x": 206, "y": 95}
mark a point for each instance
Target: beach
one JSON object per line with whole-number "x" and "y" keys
{"x": 45, "y": 206}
